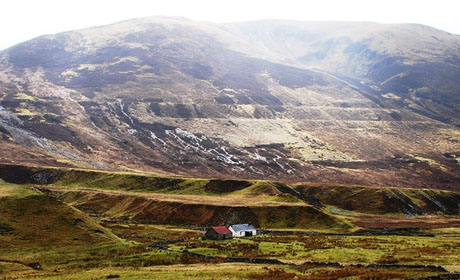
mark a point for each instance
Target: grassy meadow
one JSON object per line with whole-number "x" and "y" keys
{"x": 72, "y": 229}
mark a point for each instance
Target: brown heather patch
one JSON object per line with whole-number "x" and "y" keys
{"x": 272, "y": 274}
{"x": 393, "y": 221}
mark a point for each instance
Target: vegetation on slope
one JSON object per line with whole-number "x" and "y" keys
{"x": 143, "y": 209}
{"x": 31, "y": 216}
{"x": 48, "y": 238}
{"x": 42, "y": 236}
{"x": 384, "y": 200}
{"x": 352, "y": 198}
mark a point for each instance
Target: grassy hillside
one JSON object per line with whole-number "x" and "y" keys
{"x": 75, "y": 178}
{"x": 44, "y": 236}
{"x": 268, "y": 204}
{"x": 41, "y": 227}
{"x": 41, "y": 236}
{"x": 384, "y": 200}
{"x": 22, "y": 207}
{"x": 373, "y": 200}
{"x": 178, "y": 201}
{"x": 154, "y": 210}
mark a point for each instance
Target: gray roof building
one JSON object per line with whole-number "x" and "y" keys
{"x": 242, "y": 230}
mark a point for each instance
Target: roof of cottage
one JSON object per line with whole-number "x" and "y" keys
{"x": 243, "y": 227}
{"x": 221, "y": 230}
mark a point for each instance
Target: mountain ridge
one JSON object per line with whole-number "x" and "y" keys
{"x": 203, "y": 99}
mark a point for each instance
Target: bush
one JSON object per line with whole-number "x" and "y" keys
{"x": 4, "y": 229}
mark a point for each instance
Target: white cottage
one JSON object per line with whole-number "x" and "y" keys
{"x": 242, "y": 230}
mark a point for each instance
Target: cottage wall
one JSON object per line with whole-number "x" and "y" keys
{"x": 241, "y": 233}
{"x": 211, "y": 234}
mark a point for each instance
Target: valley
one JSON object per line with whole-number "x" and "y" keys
{"x": 100, "y": 225}
{"x": 122, "y": 144}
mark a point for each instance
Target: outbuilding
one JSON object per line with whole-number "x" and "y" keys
{"x": 219, "y": 233}
{"x": 242, "y": 230}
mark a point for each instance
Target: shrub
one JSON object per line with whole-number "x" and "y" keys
{"x": 4, "y": 229}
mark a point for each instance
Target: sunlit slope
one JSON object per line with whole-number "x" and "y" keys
{"x": 204, "y": 202}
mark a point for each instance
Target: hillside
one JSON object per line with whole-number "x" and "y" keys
{"x": 195, "y": 202}
{"x": 59, "y": 223}
{"x": 61, "y": 233}
{"x": 349, "y": 103}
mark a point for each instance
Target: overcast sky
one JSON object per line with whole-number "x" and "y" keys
{"x": 21, "y": 20}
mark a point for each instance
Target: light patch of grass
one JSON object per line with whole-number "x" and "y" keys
{"x": 16, "y": 191}
{"x": 228, "y": 200}
{"x": 391, "y": 95}
{"x": 452, "y": 230}
{"x": 192, "y": 186}
{"x": 23, "y": 96}
{"x": 147, "y": 234}
{"x": 345, "y": 255}
{"x": 453, "y": 268}
{"x": 69, "y": 73}
{"x": 71, "y": 162}
{"x": 341, "y": 212}
{"x": 6, "y": 190}
{"x": 170, "y": 272}
{"x": 24, "y": 112}
{"x": 266, "y": 190}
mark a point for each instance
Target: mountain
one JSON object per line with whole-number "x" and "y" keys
{"x": 331, "y": 102}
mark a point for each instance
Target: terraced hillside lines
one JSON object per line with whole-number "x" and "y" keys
{"x": 155, "y": 209}
{"x": 227, "y": 200}
{"x": 384, "y": 200}
{"x": 179, "y": 201}
{"x": 426, "y": 222}
{"x": 225, "y": 190}
{"x": 200, "y": 202}
{"x": 176, "y": 97}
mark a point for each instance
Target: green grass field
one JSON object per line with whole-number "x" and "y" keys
{"x": 76, "y": 235}
{"x": 344, "y": 249}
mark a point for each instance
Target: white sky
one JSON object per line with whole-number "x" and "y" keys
{"x": 21, "y": 20}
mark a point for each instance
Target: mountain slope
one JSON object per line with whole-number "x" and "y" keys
{"x": 417, "y": 63}
{"x": 335, "y": 102}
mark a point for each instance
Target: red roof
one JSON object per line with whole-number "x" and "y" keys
{"x": 221, "y": 230}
